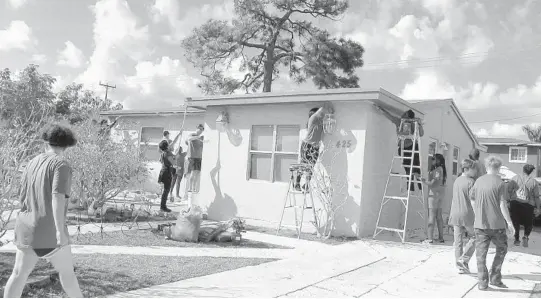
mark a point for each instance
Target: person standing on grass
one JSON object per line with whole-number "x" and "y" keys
{"x": 525, "y": 203}
{"x": 179, "y": 172}
{"x": 166, "y": 173}
{"x": 437, "y": 178}
{"x": 194, "y": 155}
{"x": 491, "y": 221}
{"x": 479, "y": 166}
{"x": 462, "y": 216}
{"x": 40, "y": 227}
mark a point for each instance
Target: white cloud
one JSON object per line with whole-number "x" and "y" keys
{"x": 39, "y": 58}
{"x": 71, "y": 56}
{"x": 161, "y": 84}
{"x": 17, "y": 36}
{"x": 60, "y": 83}
{"x": 503, "y": 130}
{"x": 117, "y": 38}
{"x": 181, "y": 25}
{"x": 477, "y": 42}
{"x": 16, "y": 4}
{"x": 429, "y": 85}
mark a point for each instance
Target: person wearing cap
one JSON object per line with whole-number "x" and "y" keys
{"x": 525, "y": 203}
{"x": 462, "y": 217}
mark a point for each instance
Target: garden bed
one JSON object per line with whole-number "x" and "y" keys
{"x": 147, "y": 238}
{"x": 101, "y": 274}
{"x": 289, "y": 233}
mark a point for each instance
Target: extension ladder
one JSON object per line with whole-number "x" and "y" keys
{"x": 290, "y": 201}
{"x": 409, "y": 129}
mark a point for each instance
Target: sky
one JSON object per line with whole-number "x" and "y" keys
{"x": 483, "y": 54}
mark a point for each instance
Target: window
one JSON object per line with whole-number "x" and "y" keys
{"x": 518, "y": 154}
{"x": 150, "y": 138}
{"x": 272, "y": 150}
{"x": 456, "y": 157}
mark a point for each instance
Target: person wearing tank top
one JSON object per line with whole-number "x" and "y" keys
{"x": 310, "y": 145}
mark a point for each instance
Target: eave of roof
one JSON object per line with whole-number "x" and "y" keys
{"x": 149, "y": 112}
{"x": 451, "y": 102}
{"x": 380, "y": 96}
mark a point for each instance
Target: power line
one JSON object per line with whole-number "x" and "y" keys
{"x": 107, "y": 86}
{"x": 503, "y": 119}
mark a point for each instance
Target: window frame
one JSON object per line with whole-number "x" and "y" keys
{"x": 144, "y": 144}
{"x": 519, "y": 148}
{"x": 273, "y": 153}
{"x": 149, "y": 143}
{"x": 455, "y": 160}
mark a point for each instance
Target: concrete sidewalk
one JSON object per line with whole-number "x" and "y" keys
{"x": 273, "y": 279}
{"x": 359, "y": 269}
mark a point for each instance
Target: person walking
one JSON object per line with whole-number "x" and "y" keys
{"x": 40, "y": 227}
{"x": 462, "y": 217}
{"x": 525, "y": 203}
{"x": 489, "y": 195}
{"x": 479, "y": 166}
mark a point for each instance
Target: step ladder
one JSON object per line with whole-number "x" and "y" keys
{"x": 292, "y": 201}
{"x": 409, "y": 129}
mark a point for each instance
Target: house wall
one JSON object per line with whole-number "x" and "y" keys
{"x": 443, "y": 125}
{"x": 502, "y": 151}
{"x": 171, "y": 123}
{"x": 226, "y": 190}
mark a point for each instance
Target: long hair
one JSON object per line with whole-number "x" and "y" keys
{"x": 440, "y": 161}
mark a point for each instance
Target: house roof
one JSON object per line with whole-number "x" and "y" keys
{"x": 507, "y": 141}
{"x": 479, "y": 145}
{"x": 380, "y": 96}
{"x": 148, "y": 112}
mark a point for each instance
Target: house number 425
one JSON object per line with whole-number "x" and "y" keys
{"x": 343, "y": 144}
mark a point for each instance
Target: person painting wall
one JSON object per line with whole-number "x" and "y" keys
{"x": 311, "y": 143}
{"x": 408, "y": 145}
{"x": 194, "y": 157}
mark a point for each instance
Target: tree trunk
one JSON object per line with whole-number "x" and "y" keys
{"x": 269, "y": 68}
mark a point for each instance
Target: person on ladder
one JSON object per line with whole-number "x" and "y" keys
{"x": 311, "y": 143}
{"x": 408, "y": 146}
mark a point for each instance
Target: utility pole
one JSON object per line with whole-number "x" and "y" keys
{"x": 107, "y": 86}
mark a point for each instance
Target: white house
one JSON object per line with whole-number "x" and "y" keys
{"x": 147, "y": 126}
{"x": 245, "y": 164}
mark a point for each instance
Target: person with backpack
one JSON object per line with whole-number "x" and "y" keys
{"x": 524, "y": 204}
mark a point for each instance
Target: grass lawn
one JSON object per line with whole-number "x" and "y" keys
{"x": 101, "y": 274}
{"x": 289, "y": 233}
{"x": 147, "y": 238}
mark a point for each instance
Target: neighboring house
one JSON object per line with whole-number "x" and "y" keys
{"x": 514, "y": 152}
{"x": 245, "y": 169}
{"x": 147, "y": 126}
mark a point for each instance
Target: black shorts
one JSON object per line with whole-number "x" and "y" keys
{"x": 41, "y": 252}
{"x": 194, "y": 164}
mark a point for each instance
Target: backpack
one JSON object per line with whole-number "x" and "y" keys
{"x": 522, "y": 193}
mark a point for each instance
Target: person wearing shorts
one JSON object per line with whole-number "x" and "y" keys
{"x": 194, "y": 155}
{"x": 179, "y": 172}
{"x": 310, "y": 145}
{"x": 436, "y": 187}
{"x": 40, "y": 227}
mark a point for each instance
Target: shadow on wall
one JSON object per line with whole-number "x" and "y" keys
{"x": 334, "y": 161}
{"x": 234, "y": 136}
{"x": 223, "y": 206}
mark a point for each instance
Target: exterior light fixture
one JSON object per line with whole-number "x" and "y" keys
{"x": 222, "y": 121}
{"x": 329, "y": 123}
{"x": 443, "y": 146}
